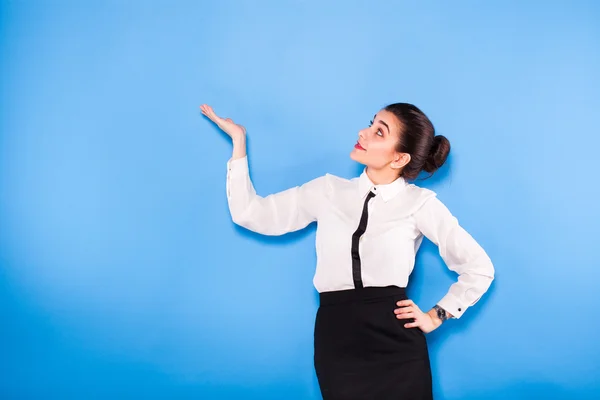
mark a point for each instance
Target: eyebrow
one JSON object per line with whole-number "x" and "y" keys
{"x": 386, "y": 125}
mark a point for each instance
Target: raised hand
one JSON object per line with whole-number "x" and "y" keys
{"x": 234, "y": 130}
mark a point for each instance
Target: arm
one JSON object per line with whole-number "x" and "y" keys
{"x": 275, "y": 214}
{"x": 461, "y": 253}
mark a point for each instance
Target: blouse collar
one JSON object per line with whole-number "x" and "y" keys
{"x": 387, "y": 191}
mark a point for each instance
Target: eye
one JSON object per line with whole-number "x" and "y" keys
{"x": 379, "y": 131}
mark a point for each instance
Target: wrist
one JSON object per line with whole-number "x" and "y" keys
{"x": 239, "y": 146}
{"x": 440, "y": 313}
{"x": 434, "y": 317}
{"x": 239, "y": 139}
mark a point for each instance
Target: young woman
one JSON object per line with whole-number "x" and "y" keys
{"x": 369, "y": 339}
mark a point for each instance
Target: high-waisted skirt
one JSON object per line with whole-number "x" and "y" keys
{"x": 363, "y": 352}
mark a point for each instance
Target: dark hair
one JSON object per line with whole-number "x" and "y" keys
{"x": 428, "y": 152}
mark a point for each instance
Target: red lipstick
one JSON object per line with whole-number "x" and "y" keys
{"x": 358, "y": 146}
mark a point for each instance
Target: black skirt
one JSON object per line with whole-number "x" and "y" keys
{"x": 362, "y": 351}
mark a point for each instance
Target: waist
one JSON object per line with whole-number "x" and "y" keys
{"x": 366, "y": 293}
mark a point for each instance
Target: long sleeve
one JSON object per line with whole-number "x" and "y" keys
{"x": 461, "y": 253}
{"x": 275, "y": 214}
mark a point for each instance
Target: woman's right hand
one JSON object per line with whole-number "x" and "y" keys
{"x": 234, "y": 130}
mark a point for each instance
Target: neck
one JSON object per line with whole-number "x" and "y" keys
{"x": 382, "y": 176}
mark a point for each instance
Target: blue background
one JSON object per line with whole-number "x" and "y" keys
{"x": 121, "y": 273}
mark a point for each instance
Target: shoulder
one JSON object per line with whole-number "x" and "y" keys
{"x": 413, "y": 198}
{"x": 418, "y": 194}
{"x": 339, "y": 181}
{"x": 336, "y": 185}
{"x": 328, "y": 184}
{"x": 332, "y": 180}
{"x": 426, "y": 203}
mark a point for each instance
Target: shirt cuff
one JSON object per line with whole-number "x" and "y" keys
{"x": 237, "y": 167}
{"x": 237, "y": 173}
{"x": 452, "y": 305}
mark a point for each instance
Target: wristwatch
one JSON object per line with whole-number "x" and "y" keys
{"x": 441, "y": 313}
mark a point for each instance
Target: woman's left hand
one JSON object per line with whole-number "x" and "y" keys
{"x": 424, "y": 321}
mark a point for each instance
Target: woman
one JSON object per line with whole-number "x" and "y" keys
{"x": 369, "y": 340}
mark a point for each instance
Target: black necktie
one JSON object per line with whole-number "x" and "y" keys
{"x": 362, "y": 226}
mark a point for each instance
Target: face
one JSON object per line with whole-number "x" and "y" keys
{"x": 376, "y": 145}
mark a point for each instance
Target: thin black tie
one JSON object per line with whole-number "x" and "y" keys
{"x": 362, "y": 227}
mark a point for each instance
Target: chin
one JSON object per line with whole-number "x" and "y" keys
{"x": 356, "y": 157}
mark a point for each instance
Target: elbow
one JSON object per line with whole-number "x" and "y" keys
{"x": 248, "y": 221}
{"x": 480, "y": 279}
{"x": 239, "y": 219}
{"x": 490, "y": 270}
{"x": 483, "y": 267}
{"x": 487, "y": 273}
{"x": 239, "y": 212}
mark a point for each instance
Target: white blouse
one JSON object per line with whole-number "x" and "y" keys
{"x": 399, "y": 215}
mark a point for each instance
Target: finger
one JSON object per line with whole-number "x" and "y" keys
{"x": 210, "y": 111}
{"x": 407, "y": 302}
{"x": 406, "y": 315}
{"x": 214, "y": 117}
{"x": 403, "y": 309}
{"x": 207, "y": 110}
{"x": 411, "y": 324}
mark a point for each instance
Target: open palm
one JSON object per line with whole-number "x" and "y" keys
{"x": 226, "y": 124}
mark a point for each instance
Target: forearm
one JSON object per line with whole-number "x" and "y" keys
{"x": 239, "y": 147}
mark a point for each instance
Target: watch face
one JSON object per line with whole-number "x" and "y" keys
{"x": 441, "y": 313}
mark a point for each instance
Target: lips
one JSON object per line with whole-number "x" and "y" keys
{"x": 358, "y": 146}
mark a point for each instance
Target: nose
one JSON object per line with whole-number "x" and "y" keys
{"x": 362, "y": 134}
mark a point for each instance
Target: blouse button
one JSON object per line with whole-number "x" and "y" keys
{"x": 459, "y": 309}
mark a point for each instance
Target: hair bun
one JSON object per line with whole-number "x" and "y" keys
{"x": 438, "y": 153}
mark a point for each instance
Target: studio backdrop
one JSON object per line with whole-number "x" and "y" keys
{"x": 122, "y": 275}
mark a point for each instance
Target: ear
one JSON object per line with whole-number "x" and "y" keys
{"x": 400, "y": 160}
